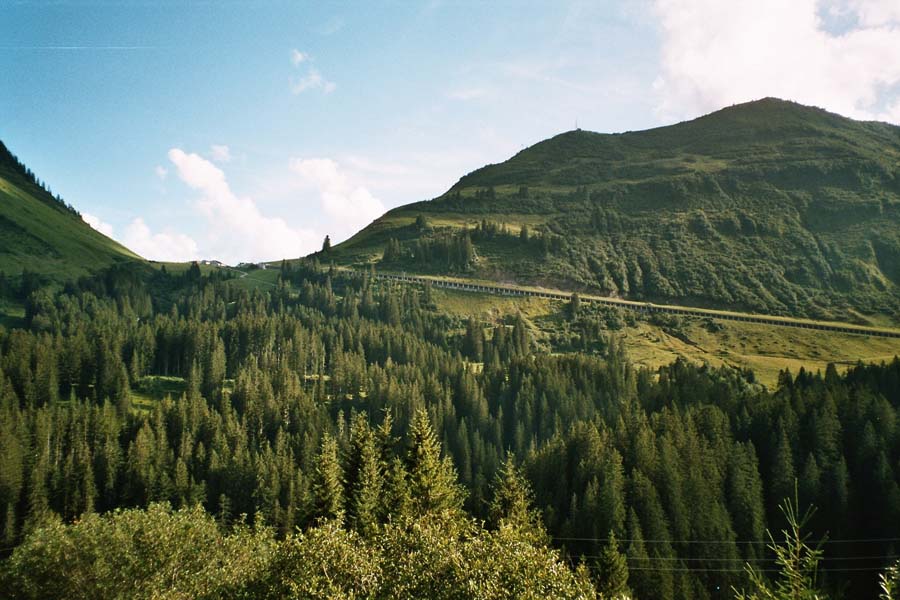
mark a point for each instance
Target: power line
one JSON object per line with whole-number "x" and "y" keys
{"x": 762, "y": 542}
{"x": 745, "y": 560}
{"x": 715, "y": 570}
{"x": 686, "y": 569}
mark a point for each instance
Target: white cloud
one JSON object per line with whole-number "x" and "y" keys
{"x": 104, "y": 228}
{"x": 716, "y": 53}
{"x": 236, "y": 229}
{"x": 313, "y": 80}
{"x": 164, "y": 246}
{"x": 351, "y": 206}
{"x": 220, "y": 154}
{"x": 161, "y": 171}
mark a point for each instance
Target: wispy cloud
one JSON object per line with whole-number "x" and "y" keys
{"x": 220, "y": 153}
{"x": 313, "y": 80}
{"x": 161, "y": 172}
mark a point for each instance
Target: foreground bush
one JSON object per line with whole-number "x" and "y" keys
{"x": 153, "y": 553}
{"x": 164, "y": 554}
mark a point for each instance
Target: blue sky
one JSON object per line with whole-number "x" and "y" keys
{"x": 247, "y": 131}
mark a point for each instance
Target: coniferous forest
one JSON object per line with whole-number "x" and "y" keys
{"x": 337, "y": 436}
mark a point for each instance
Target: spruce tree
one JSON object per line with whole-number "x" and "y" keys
{"x": 367, "y": 492}
{"x": 512, "y": 498}
{"x": 432, "y": 479}
{"x": 643, "y": 584}
{"x": 328, "y": 485}
{"x": 363, "y": 476}
{"x": 214, "y": 371}
{"x": 612, "y": 571}
{"x": 574, "y": 305}
{"x": 782, "y": 474}
{"x": 396, "y": 499}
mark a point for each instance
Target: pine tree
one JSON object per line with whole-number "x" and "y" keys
{"x": 810, "y": 481}
{"x": 363, "y": 478}
{"x": 797, "y": 561}
{"x": 574, "y": 305}
{"x": 396, "y": 499}
{"x": 782, "y": 474}
{"x": 432, "y": 479}
{"x": 474, "y": 340}
{"x": 214, "y": 371}
{"x": 643, "y": 584}
{"x": 328, "y": 485}
{"x": 122, "y": 393}
{"x": 612, "y": 571}
{"x": 611, "y": 500}
{"x": 367, "y": 492}
{"x": 391, "y": 309}
{"x": 524, "y": 233}
{"x": 512, "y": 501}
{"x": 744, "y": 493}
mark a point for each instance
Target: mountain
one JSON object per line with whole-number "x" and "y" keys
{"x": 768, "y": 206}
{"x": 41, "y": 234}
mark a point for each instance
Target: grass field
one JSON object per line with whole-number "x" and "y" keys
{"x": 150, "y": 389}
{"x": 258, "y": 278}
{"x": 11, "y": 315}
{"x": 177, "y": 268}
{"x": 246, "y": 278}
{"x": 765, "y": 349}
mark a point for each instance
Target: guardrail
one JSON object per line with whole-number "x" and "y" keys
{"x": 644, "y": 307}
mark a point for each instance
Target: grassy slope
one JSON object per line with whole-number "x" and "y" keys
{"x": 38, "y": 234}
{"x": 765, "y": 349}
{"x": 768, "y": 206}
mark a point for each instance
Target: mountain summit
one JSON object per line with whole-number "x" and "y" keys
{"x": 768, "y": 206}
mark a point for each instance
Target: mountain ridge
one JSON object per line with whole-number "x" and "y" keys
{"x": 769, "y": 206}
{"x": 747, "y": 123}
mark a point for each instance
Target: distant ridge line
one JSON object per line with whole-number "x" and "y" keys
{"x": 644, "y": 307}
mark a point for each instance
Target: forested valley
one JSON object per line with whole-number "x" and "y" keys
{"x": 341, "y": 437}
